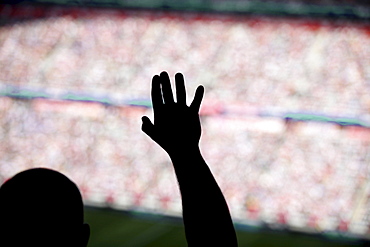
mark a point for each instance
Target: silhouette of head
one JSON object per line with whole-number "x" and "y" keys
{"x": 41, "y": 207}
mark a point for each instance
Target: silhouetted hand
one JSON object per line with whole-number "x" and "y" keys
{"x": 176, "y": 125}
{"x": 177, "y": 130}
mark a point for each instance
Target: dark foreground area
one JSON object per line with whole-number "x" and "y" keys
{"x": 116, "y": 228}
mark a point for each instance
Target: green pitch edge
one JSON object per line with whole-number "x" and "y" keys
{"x": 106, "y": 101}
{"x": 74, "y": 97}
{"x": 320, "y": 118}
{"x": 27, "y": 94}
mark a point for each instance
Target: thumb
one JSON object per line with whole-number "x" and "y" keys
{"x": 147, "y": 127}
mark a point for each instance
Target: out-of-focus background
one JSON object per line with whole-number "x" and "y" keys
{"x": 286, "y": 114}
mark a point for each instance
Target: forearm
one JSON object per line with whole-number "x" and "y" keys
{"x": 206, "y": 216}
{"x": 177, "y": 130}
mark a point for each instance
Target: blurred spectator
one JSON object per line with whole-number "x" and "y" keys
{"x": 262, "y": 164}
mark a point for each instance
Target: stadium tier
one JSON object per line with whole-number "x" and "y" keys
{"x": 286, "y": 114}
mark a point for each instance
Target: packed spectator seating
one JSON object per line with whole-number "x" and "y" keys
{"x": 294, "y": 65}
{"x": 271, "y": 170}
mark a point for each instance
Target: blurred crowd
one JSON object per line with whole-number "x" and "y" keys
{"x": 303, "y": 174}
{"x": 271, "y": 170}
{"x": 300, "y": 174}
{"x": 295, "y": 65}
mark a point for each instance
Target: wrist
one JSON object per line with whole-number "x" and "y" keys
{"x": 184, "y": 153}
{"x": 188, "y": 164}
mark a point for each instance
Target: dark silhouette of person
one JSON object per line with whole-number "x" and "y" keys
{"x": 41, "y": 207}
{"x": 177, "y": 130}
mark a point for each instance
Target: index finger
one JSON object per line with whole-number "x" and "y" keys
{"x": 166, "y": 88}
{"x": 156, "y": 93}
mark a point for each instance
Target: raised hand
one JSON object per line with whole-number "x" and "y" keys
{"x": 177, "y": 130}
{"x": 176, "y": 126}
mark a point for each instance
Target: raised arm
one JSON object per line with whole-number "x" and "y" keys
{"x": 177, "y": 130}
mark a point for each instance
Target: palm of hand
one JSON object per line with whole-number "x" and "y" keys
{"x": 176, "y": 125}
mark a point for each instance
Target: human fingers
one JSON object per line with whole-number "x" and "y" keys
{"x": 180, "y": 89}
{"x": 156, "y": 92}
{"x": 166, "y": 88}
{"x": 195, "y": 105}
{"x": 147, "y": 127}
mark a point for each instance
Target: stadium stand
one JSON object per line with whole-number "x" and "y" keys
{"x": 76, "y": 107}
